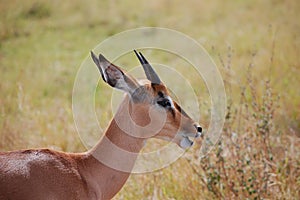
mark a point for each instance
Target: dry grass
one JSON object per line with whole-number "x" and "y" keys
{"x": 255, "y": 44}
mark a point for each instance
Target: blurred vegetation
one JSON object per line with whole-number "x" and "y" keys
{"x": 256, "y": 45}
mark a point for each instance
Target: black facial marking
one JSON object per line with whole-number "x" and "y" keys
{"x": 173, "y": 112}
{"x": 199, "y": 129}
{"x": 160, "y": 94}
{"x": 164, "y": 102}
{"x": 181, "y": 110}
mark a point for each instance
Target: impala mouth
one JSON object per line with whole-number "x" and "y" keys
{"x": 186, "y": 142}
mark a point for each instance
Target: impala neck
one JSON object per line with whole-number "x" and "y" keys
{"x": 122, "y": 136}
{"x": 109, "y": 163}
{"x": 117, "y": 148}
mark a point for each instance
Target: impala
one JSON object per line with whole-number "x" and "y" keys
{"x": 147, "y": 111}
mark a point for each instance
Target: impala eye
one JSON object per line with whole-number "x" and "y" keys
{"x": 164, "y": 103}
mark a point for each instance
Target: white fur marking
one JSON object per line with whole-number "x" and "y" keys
{"x": 104, "y": 75}
{"x": 104, "y": 65}
{"x": 185, "y": 143}
{"x": 171, "y": 101}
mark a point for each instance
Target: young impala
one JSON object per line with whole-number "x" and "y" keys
{"x": 147, "y": 111}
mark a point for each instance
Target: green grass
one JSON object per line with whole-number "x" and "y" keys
{"x": 42, "y": 44}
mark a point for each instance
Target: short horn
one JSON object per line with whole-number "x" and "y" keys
{"x": 149, "y": 71}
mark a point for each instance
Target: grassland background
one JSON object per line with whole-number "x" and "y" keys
{"x": 256, "y": 45}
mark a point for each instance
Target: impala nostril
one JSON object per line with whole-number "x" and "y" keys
{"x": 199, "y": 129}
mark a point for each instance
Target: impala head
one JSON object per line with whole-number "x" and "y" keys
{"x": 148, "y": 101}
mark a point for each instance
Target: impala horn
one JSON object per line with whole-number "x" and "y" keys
{"x": 149, "y": 71}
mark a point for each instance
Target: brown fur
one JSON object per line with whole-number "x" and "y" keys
{"x": 47, "y": 174}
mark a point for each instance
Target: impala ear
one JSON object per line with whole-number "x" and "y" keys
{"x": 149, "y": 71}
{"x": 114, "y": 75}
